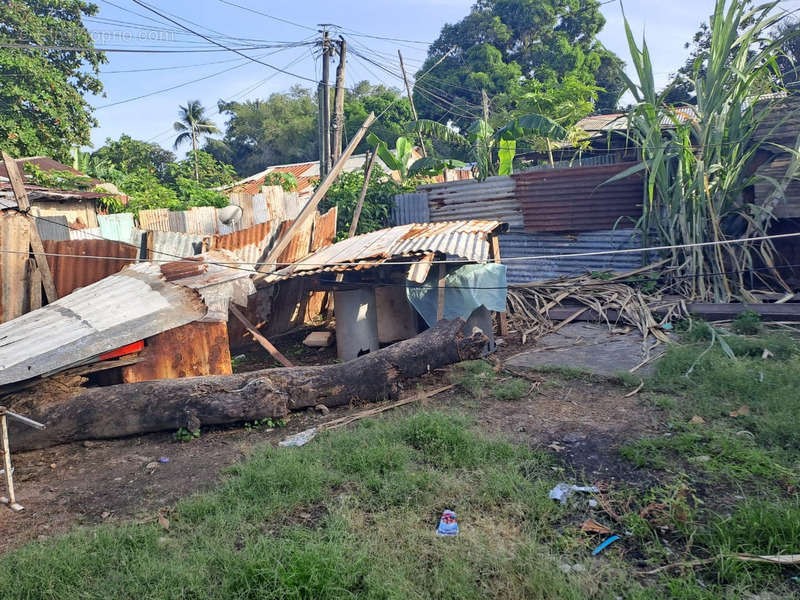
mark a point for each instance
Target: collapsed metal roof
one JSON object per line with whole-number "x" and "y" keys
{"x": 464, "y": 239}
{"x": 140, "y": 301}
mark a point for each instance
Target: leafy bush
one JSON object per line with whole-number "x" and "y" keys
{"x": 748, "y": 322}
{"x": 286, "y": 180}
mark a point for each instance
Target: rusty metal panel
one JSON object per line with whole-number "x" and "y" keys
{"x": 248, "y": 244}
{"x": 15, "y": 239}
{"x": 465, "y": 200}
{"x": 121, "y": 309}
{"x": 178, "y": 220}
{"x": 300, "y": 244}
{"x": 72, "y": 272}
{"x": 156, "y": 219}
{"x": 579, "y": 199}
{"x": 171, "y": 244}
{"x": 191, "y": 350}
{"x": 410, "y": 208}
{"x": 324, "y": 229}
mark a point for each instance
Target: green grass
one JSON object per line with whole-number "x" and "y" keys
{"x": 479, "y": 380}
{"x": 350, "y": 515}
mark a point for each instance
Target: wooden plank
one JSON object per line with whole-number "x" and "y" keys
{"x": 21, "y": 195}
{"x": 265, "y": 343}
{"x": 34, "y": 286}
{"x": 496, "y": 256}
{"x": 360, "y": 204}
{"x": 768, "y": 312}
{"x": 15, "y": 244}
{"x": 441, "y": 288}
{"x": 308, "y": 210}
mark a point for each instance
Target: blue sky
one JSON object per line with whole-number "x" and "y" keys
{"x": 667, "y": 25}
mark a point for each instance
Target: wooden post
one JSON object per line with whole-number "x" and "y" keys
{"x": 360, "y": 204}
{"x": 34, "y": 286}
{"x": 311, "y": 206}
{"x": 150, "y": 243}
{"x": 338, "y": 104}
{"x": 411, "y": 101}
{"x": 265, "y": 343}
{"x": 11, "y": 500}
{"x": 503, "y": 319}
{"x": 441, "y": 288}
{"x": 326, "y": 101}
{"x": 18, "y": 186}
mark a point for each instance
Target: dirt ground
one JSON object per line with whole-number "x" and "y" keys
{"x": 582, "y": 421}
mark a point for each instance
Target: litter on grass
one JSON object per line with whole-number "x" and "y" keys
{"x": 447, "y": 524}
{"x": 606, "y": 543}
{"x": 299, "y": 439}
{"x": 563, "y": 491}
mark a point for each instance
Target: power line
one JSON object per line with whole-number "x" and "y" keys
{"x": 263, "y": 14}
{"x": 21, "y": 46}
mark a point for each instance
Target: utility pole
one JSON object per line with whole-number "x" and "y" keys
{"x": 338, "y": 104}
{"x": 411, "y": 101}
{"x": 326, "y": 102}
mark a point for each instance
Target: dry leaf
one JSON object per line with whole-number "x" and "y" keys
{"x": 592, "y": 526}
{"x": 697, "y": 420}
{"x": 163, "y": 521}
{"x": 742, "y": 411}
{"x": 555, "y": 446}
{"x": 767, "y": 354}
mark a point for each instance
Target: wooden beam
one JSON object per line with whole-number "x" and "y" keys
{"x": 441, "y": 288}
{"x": 18, "y": 186}
{"x": 265, "y": 343}
{"x": 34, "y": 286}
{"x": 360, "y": 204}
{"x": 308, "y": 210}
{"x": 503, "y": 319}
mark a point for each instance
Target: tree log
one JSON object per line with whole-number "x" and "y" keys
{"x": 168, "y": 404}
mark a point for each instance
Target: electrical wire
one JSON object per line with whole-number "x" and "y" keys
{"x": 263, "y": 14}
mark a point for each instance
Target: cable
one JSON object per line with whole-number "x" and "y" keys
{"x": 263, "y": 14}
{"x": 143, "y": 5}
{"x": 132, "y": 50}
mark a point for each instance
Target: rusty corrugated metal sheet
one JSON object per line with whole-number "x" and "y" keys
{"x": 324, "y": 229}
{"x": 300, "y": 244}
{"x": 248, "y": 244}
{"x": 465, "y": 239}
{"x": 15, "y": 239}
{"x": 72, "y": 272}
{"x": 464, "y": 200}
{"x": 579, "y": 199}
{"x": 156, "y": 219}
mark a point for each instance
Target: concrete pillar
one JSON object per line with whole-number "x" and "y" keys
{"x": 397, "y": 319}
{"x": 356, "y": 322}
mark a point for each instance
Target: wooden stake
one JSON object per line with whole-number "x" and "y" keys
{"x": 502, "y": 317}
{"x": 441, "y": 288}
{"x": 411, "y": 101}
{"x": 308, "y": 210}
{"x": 360, "y": 204}
{"x": 34, "y": 286}
{"x": 11, "y": 501}
{"x": 18, "y": 186}
{"x": 265, "y": 343}
{"x": 338, "y": 104}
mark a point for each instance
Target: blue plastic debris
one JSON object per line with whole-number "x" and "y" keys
{"x": 605, "y": 545}
{"x": 163, "y": 460}
{"x": 447, "y": 524}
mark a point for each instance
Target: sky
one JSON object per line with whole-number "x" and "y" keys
{"x": 412, "y": 24}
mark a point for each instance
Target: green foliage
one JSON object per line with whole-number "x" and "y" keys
{"x": 748, "y": 322}
{"x": 388, "y": 102}
{"x": 287, "y": 181}
{"x": 128, "y": 155}
{"x": 378, "y": 202}
{"x": 183, "y": 435}
{"x": 42, "y": 109}
{"x": 512, "y": 389}
{"x": 265, "y": 423}
{"x": 62, "y": 180}
{"x": 210, "y": 172}
{"x": 689, "y": 198}
{"x": 145, "y": 191}
{"x": 502, "y": 44}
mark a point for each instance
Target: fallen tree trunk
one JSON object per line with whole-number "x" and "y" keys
{"x": 168, "y": 404}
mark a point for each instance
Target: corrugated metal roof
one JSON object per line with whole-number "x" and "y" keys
{"x": 54, "y": 227}
{"x": 116, "y": 227}
{"x": 72, "y": 272}
{"x": 464, "y": 239}
{"x": 540, "y": 244}
{"x": 248, "y": 244}
{"x": 156, "y": 219}
{"x": 171, "y": 244}
{"x": 579, "y": 199}
{"x": 45, "y": 163}
{"x": 300, "y": 244}
{"x": 38, "y": 193}
{"x": 787, "y": 193}
{"x": 129, "y": 306}
{"x": 324, "y": 229}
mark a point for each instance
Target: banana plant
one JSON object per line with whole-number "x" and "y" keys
{"x": 401, "y": 160}
{"x": 482, "y": 141}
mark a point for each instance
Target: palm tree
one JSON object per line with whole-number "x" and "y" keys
{"x": 193, "y": 123}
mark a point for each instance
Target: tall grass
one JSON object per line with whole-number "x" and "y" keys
{"x": 699, "y": 168}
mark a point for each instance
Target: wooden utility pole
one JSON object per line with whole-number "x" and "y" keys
{"x": 338, "y": 104}
{"x": 308, "y": 210}
{"x": 411, "y": 101}
{"x": 326, "y": 101}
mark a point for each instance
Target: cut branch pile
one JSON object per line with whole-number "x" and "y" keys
{"x": 612, "y": 302}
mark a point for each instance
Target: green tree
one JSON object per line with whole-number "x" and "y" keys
{"x": 258, "y": 133}
{"x": 193, "y": 123}
{"x": 130, "y": 155}
{"x": 204, "y": 168}
{"x": 365, "y": 98}
{"x": 42, "y": 108}
{"x": 502, "y": 42}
